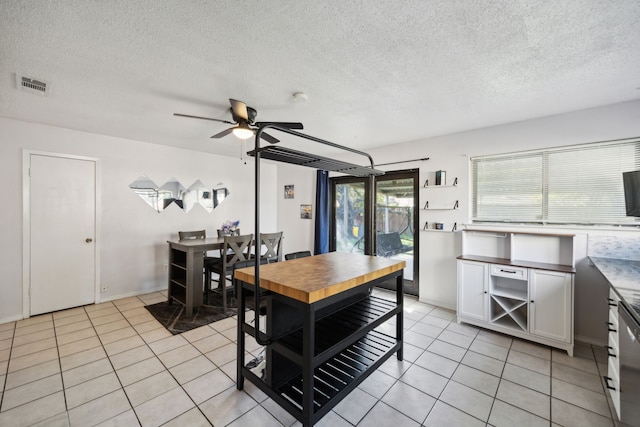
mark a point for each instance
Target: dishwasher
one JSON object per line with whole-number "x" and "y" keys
{"x": 629, "y": 336}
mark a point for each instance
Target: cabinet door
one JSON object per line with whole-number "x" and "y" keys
{"x": 473, "y": 279}
{"x": 551, "y": 305}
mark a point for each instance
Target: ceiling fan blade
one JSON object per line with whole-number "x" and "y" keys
{"x": 223, "y": 133}
{"x": 269, "y": 138}
{"x": 288, "y": 125}
{"x": 203, "y": 118}
{"x": 239, "y": 111}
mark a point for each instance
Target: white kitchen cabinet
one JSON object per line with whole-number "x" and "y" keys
{"x": 612, "y": 379}
{"x": 551, "y": 304}
{"x": 519, "y": 284}
{"x": 472, "y": 297}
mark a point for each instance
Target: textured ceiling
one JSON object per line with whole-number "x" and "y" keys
{"x": 375, "y": 72}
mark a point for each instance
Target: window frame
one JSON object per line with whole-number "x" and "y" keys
{"x": 477, "y": 217}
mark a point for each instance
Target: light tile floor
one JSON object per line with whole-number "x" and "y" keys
{"x": 113, "y": 364}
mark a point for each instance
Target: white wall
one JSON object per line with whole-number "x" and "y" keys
{"x": 133, "y": 236}
{"x": 452, "y": 152}
{"x": 298, "y": 232}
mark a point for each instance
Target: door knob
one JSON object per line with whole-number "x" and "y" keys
{"x": 88, "y": 240}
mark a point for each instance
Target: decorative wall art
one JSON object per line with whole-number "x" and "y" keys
{"x": 288, "y": 191}
{"x": 159, "y": 198}
{"x": 305, "y": 211}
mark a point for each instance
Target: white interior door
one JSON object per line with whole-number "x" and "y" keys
{"x": 62, "y": 233}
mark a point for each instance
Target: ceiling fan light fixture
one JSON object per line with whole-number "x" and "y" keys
{"x": 242, "y": 131}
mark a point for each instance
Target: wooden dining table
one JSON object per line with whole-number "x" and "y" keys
{"x": 186, "y": 264}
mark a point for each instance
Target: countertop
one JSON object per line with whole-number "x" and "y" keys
{"x": 520, "y": 263}
{"x": 624, "y": 277}
{"x": 314, "y": 278}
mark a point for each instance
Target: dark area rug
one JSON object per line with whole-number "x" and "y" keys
{"x": 174, "y": 317}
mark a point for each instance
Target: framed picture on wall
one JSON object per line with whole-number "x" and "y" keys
{"x": 305, "y": 211}
{"x": 288, "y": 192}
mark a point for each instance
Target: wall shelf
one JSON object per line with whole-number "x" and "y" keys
{"x": 454, "y": 227}
{"x": 427, "y": 208}
{"x": 455, "y": 184}
{"x": 443, "y": 222}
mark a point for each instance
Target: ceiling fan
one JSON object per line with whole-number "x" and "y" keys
{"x": 244, "y": 122}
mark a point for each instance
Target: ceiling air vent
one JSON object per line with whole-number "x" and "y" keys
{"x": 32, "y": 85}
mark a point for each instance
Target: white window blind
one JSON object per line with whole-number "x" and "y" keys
{"x": 572, "y": 185}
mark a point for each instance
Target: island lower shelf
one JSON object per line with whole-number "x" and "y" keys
{"x": 340, "y": 328}
{"x": 340, "y": 374}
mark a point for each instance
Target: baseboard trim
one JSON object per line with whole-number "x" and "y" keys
{"x": 11, "y": 319}
{"x": 437, "y": 304}
{"x": 131, "y": 294}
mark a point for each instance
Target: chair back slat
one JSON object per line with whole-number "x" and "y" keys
{"x": 188, "y": 235}
{"x": 295, "y": 255}
{"x": 237, "y": 248}
{"x": 273, "y": 244}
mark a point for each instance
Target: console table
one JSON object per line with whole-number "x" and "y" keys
{"x": 321, "y": 328}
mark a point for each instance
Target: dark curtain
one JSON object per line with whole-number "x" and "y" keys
{"x": 321, "y": 244}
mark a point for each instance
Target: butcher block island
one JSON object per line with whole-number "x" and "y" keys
{"x": 324, "y": 331}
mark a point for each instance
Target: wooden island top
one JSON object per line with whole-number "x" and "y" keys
{"x": 314, "y": 278}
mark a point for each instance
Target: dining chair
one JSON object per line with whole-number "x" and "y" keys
{"x": 248, "y": 294}
{"x": 221, "y": 233}
{"x": 235, "y": 249}
{"x": 295, "y": 255}
{"x": 273, "y": 245}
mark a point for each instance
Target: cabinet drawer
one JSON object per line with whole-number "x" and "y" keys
{"x": 518, "y": 273}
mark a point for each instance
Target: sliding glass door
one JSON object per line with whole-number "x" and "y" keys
{"x": 350, "y": 210}
{"x": 394, "y": 218}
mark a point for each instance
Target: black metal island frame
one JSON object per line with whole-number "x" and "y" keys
{"x": 325, "y": 331}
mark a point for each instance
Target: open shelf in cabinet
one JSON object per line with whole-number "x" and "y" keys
{"x": 178, "y": 258}
{"x": 509, "y": 296}
{"x": 506, "y": 287}
{"x": 516, "y": 318}
{"x": 507, "y": 304}
{"x": 532, "y": 250}
{"x": 511, "y": 293}
{"x": 178, "y": 277}
{"x": 341, "y": 373}
{"x": 179, "y": 293}
{"x": 333, "y": 330}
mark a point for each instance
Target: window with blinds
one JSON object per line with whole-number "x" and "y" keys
{"x": 571, "y": 185}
